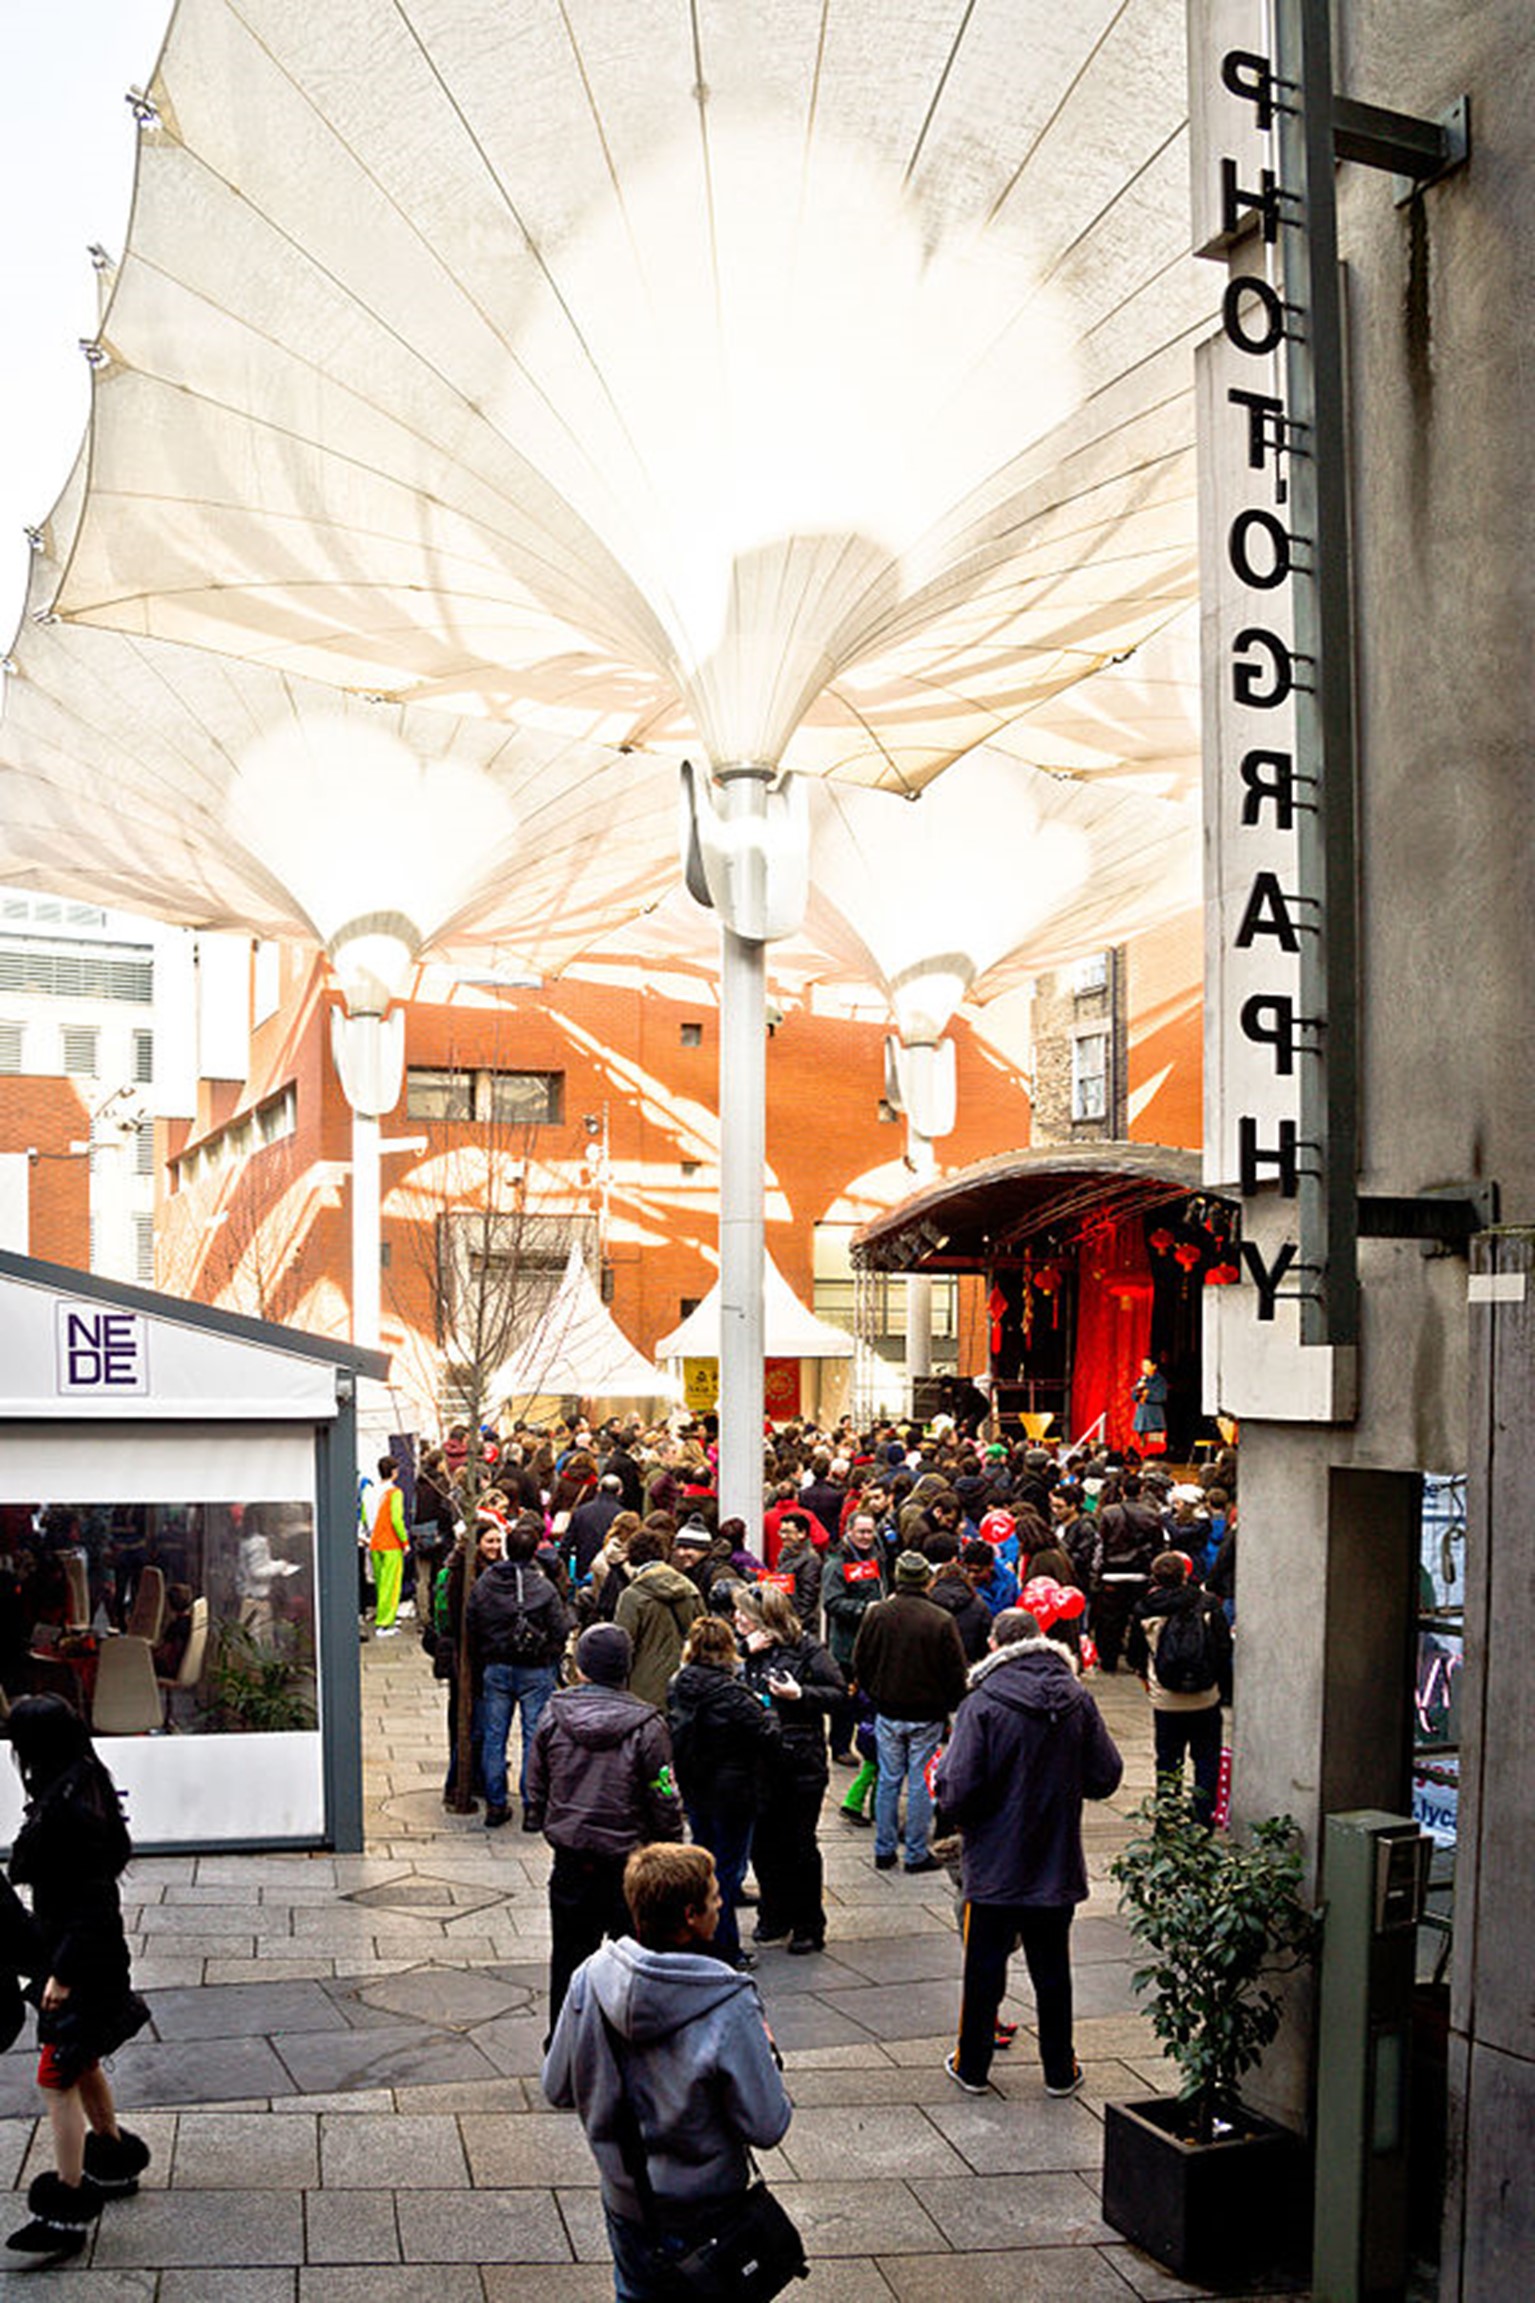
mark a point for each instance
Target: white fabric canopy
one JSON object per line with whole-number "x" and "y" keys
{"x": 578, "y": 1350}
{"x": 211, "y": 792}
{"x": 808, "y": 382}
{"x": 792, "y": 1332}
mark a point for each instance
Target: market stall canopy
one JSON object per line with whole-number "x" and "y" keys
{"x": 997, "y": 1207}
{"x": 791, "y": 1332}
{"x": 577, "y": 1351}
{"x": 805, "y": 384}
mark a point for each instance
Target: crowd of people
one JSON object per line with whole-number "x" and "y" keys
{"x": 666, "y": 1676}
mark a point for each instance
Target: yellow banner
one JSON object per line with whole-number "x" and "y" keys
{"x": 701, "y": 1385}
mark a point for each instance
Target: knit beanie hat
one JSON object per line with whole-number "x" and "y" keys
{"x": 912, "y": 1572}
{"x": 604, "y": 1653}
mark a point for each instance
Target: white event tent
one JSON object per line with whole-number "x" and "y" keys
{"x": 790, "y": 1331}
{"x": 576, "y": 1351}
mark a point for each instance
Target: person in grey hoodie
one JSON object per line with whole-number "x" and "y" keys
{"x": 600, "y": 1784}
{"x": 1029, "y": 1745}
{"x": 655, "y": 2021}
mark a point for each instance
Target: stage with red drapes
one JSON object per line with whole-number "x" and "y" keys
{"x": 1113, "y": 1335}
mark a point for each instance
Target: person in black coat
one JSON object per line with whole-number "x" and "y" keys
{"x": 725, "y": 1745}
{"x": 1029, "y": 1746}
{"x": 71, "y": 1850}
{"x": 952, "y": 1590}
{"x": 791, "y": 1670}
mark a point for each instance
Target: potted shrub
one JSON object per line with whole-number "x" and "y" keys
{"x": 1204, "y": 2185}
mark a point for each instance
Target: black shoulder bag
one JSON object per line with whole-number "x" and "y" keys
{"x": 745, "y": 2249}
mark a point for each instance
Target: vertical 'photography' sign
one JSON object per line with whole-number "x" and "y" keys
{"x": 1279, "y": 950}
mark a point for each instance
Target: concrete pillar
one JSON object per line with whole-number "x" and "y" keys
{"x": 1489, "y": 2237}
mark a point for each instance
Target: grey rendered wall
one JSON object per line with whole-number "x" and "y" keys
{"x": 1441, "y": 310}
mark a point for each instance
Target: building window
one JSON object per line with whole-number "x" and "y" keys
{"x": 1090, "y": 975}
{"x": 689, "y": 1170}
{"x": 144, "y": 1148}
{"x": 144, "y": 1250}
{"x": 77, "y": 976}
{"x": 692, "y": 1035}
{"x": 687, "y": 1305}
{"x": 438, "y": 1095}
{"x": 509, "y": 1099}
{"x": 10, "y": 1047}
{"x": 1090, "y": 1076}
{"x": 527, "y": 1099}
{"x": 80, "y": 1051}
{"x": 143, "y": 1058}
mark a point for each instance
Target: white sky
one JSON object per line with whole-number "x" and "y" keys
{"x": 66, "y": 173}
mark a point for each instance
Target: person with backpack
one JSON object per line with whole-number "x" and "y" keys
{"x": 1180, "y": 1643}
{"x": 599, "y": 1784}
{"x": 517, "y": 1630}
{"x": 1129, "y": 1536}
{"x": 724, "y": 1748}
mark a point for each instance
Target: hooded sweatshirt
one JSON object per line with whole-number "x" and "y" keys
{"x": 697, "y": 2066}
{"x": 600, "y": 1773}
{"x": 1029, "y": 1745}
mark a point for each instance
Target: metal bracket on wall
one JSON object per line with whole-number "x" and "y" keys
{"x": 1417, "y": 152}
{"x": 1446, "y": 1219}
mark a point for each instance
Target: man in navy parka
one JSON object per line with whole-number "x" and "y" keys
{"x": 1029, "y": 1745}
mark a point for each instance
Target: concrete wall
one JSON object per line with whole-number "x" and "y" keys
{"x": 1441, "y": 318}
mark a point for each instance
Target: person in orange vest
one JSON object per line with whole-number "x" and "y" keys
{"x": 386, "y": 1541}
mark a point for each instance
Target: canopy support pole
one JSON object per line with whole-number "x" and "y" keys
{"x": 743, "y": 1168}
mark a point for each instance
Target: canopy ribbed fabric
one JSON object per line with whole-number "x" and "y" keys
{"x": 806, "y": 382}
{"x": 211, "y": 792}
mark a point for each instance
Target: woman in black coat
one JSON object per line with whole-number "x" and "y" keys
{"x": 71, "y": 1850}
{"x": 792, "y": 1671}
{"x": 724, "y": 1743}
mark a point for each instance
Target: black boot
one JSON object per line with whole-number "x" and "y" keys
{"x": 115, "y": 2162}
{"x": 62, "y": 2215}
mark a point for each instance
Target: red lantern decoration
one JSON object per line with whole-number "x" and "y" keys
{"x": 1161, "y": 1240}
{"x": 1222, "y": 1275}
{"x": 996, "y": 1307}
{"x": 1187, "y": 1254}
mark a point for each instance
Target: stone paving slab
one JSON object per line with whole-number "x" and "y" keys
{"x": 1000, "y": 2211}
{"x": 352, "y": 2227}
{"x": 408, "y": 2151}
{"x": 395, "y": 2056}
{"x": 888, "y": 2139}
{"x": 218, "y": 2228}
{"x": 484, "y": 2227}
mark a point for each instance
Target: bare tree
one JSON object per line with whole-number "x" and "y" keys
{"x": 486, "y": 1232}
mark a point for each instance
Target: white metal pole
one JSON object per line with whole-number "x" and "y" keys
{"x": 923, "y": 1162}
{"x": 743, "y": 1164}
{"x": 367, "y": 1231}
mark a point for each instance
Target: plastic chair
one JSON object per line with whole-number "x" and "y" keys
{"x": 146, "y": 1617}
{"x": 193, "y": 1656}
{"x": 127, "y": 1699}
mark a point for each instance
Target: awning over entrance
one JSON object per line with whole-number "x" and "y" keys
{"x": 998, "y": 1207}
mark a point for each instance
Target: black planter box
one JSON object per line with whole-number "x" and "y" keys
{"x": 1212, "y": 2212}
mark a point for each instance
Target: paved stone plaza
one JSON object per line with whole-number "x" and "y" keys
{"x": 341, "y": 2084}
